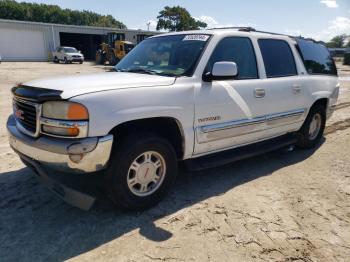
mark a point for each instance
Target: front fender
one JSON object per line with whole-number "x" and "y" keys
{"x": 111, "y": 108}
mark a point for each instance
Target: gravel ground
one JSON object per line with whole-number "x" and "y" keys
{"x": 281, "y": 206}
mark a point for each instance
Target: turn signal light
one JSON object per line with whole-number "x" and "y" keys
{"x": 61, "y": 131}
{"x": 77, "y": 112}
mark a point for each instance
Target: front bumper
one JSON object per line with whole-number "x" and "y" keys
{"x": 82, "y": 197}
{"x": 84, "y": 155}
{"x": 76, "y": 59}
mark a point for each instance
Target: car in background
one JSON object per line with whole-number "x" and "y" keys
{"x": 67, "y": 55}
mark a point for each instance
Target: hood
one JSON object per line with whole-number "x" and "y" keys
{"x": 71, "y": 54}
{"x": 82, "y": 84}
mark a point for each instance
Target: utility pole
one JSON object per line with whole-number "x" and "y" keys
{"x": 148, "y": 24}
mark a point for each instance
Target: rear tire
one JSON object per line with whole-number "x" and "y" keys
{"x": 312, "y": 130}
{"x": 141, "y": 172}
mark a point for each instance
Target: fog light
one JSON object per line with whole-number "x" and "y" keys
{"x": 61, "y": 131}
{"x": 76, "y": 158}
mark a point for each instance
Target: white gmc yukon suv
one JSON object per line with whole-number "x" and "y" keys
{"x": 203, "y": 97}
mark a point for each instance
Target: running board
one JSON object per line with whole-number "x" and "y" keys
{"x": 232, "y": 155}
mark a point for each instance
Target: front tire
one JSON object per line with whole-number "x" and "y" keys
{"x": 312, "y": 130}
{"x": 100, "y": 57}
{"x": 112, "y": 59}
{"x": 141, "y": 172}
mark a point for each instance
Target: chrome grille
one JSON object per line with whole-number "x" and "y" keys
{"x": 27, "y": 114}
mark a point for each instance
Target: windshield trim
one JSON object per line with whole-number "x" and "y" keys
{"x": 192, "y": 70}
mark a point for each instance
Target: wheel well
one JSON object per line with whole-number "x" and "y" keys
{"x": 168, "y": 128}
{"x": 321, "y": 101}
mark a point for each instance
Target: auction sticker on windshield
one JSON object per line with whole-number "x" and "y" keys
{"x": 196, "y": 38}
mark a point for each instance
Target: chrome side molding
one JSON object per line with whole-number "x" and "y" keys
{"x": 229, "y": 129}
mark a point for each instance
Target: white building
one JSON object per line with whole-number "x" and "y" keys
{"x": 32, "y": 41}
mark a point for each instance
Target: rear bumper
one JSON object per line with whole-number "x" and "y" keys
{"x": 84, "y": 155}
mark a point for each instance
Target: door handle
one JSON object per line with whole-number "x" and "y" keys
{"x": 259, "y": 92}
{"x": 296, "y": 89}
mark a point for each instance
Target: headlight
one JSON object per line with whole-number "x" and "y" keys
{"x": 65, "y": 110}
{"x": 64, "y": 119}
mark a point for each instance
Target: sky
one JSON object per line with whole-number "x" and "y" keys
{"x": 319, "y": 19}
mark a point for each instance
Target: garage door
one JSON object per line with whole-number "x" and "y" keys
{"x": 22, "y": 45}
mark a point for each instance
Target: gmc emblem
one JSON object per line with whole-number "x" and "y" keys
{"x": 19, "y": 114}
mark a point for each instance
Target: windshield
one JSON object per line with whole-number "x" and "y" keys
{"x": 70, "y": 50}
{"x": 174, "y": 55}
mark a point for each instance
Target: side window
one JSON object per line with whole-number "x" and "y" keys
{"x": 316, "y": 57}
{"x": 239, "y": 50}
{"x": 278, "y": 58}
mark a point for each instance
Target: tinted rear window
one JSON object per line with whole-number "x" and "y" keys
{"x": 317, "y": 59}
{"x": 278, "y": 58}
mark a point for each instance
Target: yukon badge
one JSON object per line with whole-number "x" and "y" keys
{"x": 210, "y": 118}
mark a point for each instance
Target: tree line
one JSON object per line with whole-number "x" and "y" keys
{"x": 10, "y": 9}
{"x": 339, "y": 41}
{"x": 174, "y": 18}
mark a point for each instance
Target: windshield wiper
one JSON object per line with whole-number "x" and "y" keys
{"x": 140, "y": 70}
{"x": 144, "y": 71}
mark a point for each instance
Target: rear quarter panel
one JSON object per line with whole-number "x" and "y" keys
{"x": 321, "y": 86}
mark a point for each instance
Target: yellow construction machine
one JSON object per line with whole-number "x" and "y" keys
{"x": 113, "y": 49}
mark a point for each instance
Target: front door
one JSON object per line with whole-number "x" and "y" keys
{"x": 231, "y": 112}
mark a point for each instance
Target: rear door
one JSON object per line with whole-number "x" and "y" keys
{"x": 60, "y": 53}
{"x": 286, "y": 100}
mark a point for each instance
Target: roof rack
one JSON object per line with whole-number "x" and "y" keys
{"x": 240, "y": 28}
{"x": 251, "y": 29}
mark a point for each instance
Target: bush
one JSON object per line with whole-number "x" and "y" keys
{"x": 346, "y": 60}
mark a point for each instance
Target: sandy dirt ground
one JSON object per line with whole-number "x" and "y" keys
{"x": 281, "y": 206}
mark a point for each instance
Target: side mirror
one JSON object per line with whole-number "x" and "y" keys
{"x": 222, "y": 71}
